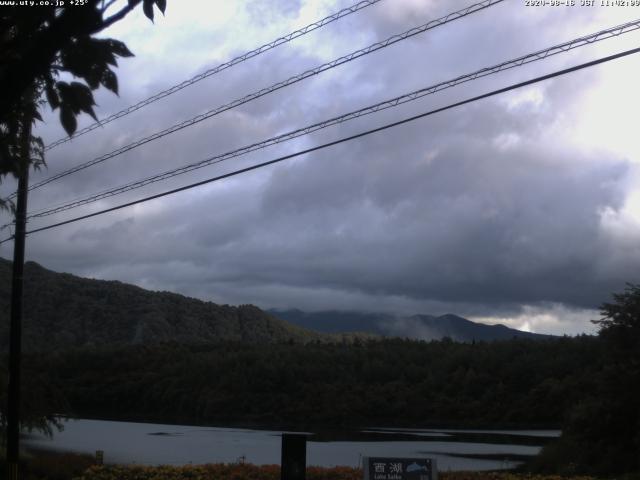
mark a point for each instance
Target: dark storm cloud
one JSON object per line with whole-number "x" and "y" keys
{"x": 483, "y": 211}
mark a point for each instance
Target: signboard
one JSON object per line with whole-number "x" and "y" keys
{"x": 387, "y": 468}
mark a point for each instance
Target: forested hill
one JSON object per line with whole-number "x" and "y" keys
{"x": 63, "y": 311}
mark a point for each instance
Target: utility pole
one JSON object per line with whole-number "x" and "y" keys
{"x": 15, "y": 332}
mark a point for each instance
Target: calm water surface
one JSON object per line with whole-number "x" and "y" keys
{"x": 155, "y": 444}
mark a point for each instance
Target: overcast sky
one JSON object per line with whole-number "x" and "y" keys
{"x": 522, "y": 209}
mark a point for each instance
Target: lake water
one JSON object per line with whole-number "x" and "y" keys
{"x": 155, "y": 444}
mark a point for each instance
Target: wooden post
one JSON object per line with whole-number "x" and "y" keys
{"x": 15, "y": 329}
{"x": 293, "y": 464}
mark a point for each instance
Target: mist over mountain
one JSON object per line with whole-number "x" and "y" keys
{"x": 420, "y": 327}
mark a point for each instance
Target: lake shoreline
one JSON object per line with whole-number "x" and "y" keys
{"x": 325, "y": 426}
{"x": 155, "y": 444}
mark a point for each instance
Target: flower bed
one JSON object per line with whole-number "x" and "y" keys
{"x": 272, "y": 472}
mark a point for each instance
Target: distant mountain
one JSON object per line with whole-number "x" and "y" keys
{"x": 424, "y": 327}
{"x": 63, "y": 310}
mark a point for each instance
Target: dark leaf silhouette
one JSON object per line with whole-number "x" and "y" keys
{"x": 77, "y": 97}
{"x": 68, "y": 120}
{"x": 162, "y": 5}
{"x": 52, "y": 96}
{"x": 119, "y": 48}
{"x": 37, "y": 46}
{"x": 110, "y": 81}
{"x": 147, "y": 7}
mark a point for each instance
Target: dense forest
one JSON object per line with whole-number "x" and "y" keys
{"x": 395, "y": 382}
{"x": 588, "y": 386}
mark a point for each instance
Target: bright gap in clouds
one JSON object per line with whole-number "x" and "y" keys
{"x": 607, "y": 117}
{"x": 555, "y": 319}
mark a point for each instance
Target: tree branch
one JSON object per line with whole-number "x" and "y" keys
{"x": 120, "y": 15}
{"x": 106, "y": 7}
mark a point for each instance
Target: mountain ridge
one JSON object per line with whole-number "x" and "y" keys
{"x": 419, "y": 326}
{"x": 63, "y": 311}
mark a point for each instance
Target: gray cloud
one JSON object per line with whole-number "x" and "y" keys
{"x": 488, "y": 210}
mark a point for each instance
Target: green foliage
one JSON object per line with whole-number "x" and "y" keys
{"x": 41, "y": 400}
{"x": 49, "y": 465}
{"x": 602, "y": 432}
{"x": 90, "y": 59}
{"x": 620, "y": 326}
{"x": 218, "y": 471}
{"x": 272, "y": 472}
{"x": 15, "y": 121}
{"x": 513, "y": 383}
{"x": 39, "y": 44}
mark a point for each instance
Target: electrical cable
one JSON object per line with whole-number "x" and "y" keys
{"x": 277, "y": 86}
{"x": 217, "y": 69}
{"x": 405, "y": 98}
{"x": 342, "y": 140}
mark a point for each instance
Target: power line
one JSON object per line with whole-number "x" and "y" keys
{"x": 341, "y": 140}
{"x": 296, "y": 78}
{"x": 219, "y": 68}
{"x": 405, "y": 98}
{"x": 277, "y": 86}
